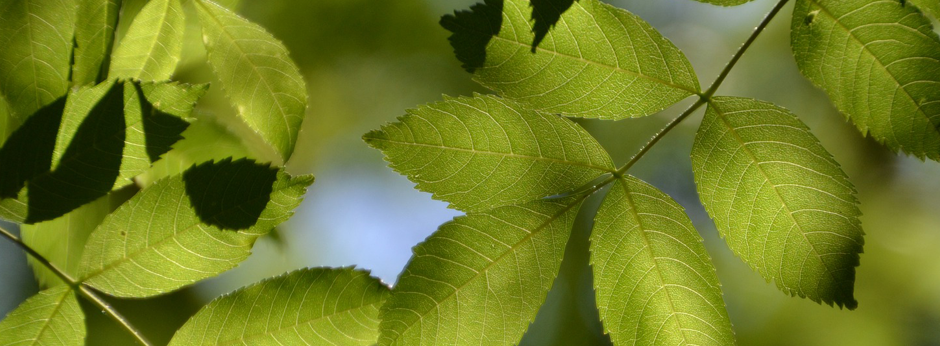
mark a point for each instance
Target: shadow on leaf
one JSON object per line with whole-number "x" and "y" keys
{"x": 546, "y": 14}
{"x": 28, "y": 151}
{"x": 161, "y": 129}
{"x": 230, "y": 194}
{"x": 90, "y": 165}
{"x": 472, "y": 31}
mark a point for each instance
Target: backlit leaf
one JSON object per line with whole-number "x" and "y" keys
{"x": 779, "y": 199}
{"x": 151, "y": 49}
{"x": 879, "y": 62}
{"x": 481, "y": 278}
{"x": 318, "y": 306}
{"x": 595, "y": 61}
{"x": 36, "y": 41}
{"x": 188, "y": 227}
{"x": 483, "y": 152}
{"x": 51, "y": 317}
{"x": 654, "y": 281}
{"x": 94, "y": 35}
{"x": 256, "y": 71}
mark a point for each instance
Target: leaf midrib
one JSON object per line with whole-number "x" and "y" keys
{"x": 48, "y": 322}
{"x": 495, "y": 153}
{"x": 642, "y": 230}
{"x": 884, "y": 68}
{"x": 780, "y": 198}
{"x": 535, "y": 231}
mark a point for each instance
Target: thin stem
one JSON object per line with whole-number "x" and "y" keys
{"x": 77, "y": 286}
{"x": 747, "y": 44}
{"x": 706, "y": 96}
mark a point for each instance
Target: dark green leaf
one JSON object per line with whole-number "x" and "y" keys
{"x": 319, "y": 306}
{"x": 94, "y": 35}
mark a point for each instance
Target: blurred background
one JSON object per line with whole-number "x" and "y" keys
{"x": 367, "y": 61}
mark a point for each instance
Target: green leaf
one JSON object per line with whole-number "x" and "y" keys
{"x": 151, "y": 49}
{"x": 8, "y": 123}
{"x": 598, "y": 61}
{"x": 14, "y": 209}
{"x": 28, "y": 151}
{"x": 256, "y": 71}
{"x": 779, "y": 199}
{"x": 188, "y": 227}
{"x": 654, "y": 281}
{"x": 319, "y": 306}
{"x": 483, "y": 152}
{"x": 36, "y": 41}
{"x": 481, "y": 278}
{"x": 94, "y": 35}
{"x": 51, "y": 317}
{"x": 62, "y": 241}
{"x": 879, "y": 62}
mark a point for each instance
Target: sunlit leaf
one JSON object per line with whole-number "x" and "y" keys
{"x": 929, "y": 6}
{"x": 62, "y": 241}
{"x": 483, "y": 152}
{"x": 151, "y": 49}
{"x": 779, "y": 199}
{"x": 879, "y": 62}
{"x": 595, "y": 61}
{"x": 94, "y": 35}
{"x": 481, "y": 278}
{"x": 319, "y": 306}
{"x": 654, "y": 281}
{"x": 188, "y": 227}
{"x": 51, "y": 317}
{"x": 256, "y": 71}
{"x": 35, "y": 52}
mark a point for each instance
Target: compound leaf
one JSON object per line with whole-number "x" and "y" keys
{"x": 62, "y": 240}
{"x": 319, "y": 306}
{"x": 256, "y": 71}
{"x": 879, "y": 62}
{"x": 152, "y": 46}
{"x": 779, "y": 199}
{"x": 51, "y": 317}
{"x": 598, "y": 61}
{"x": 480, "y": 278}
{"x": 188, "y": 227}
{"x": 654, "y": 281}
{"x": 94, "y": 35}
{"x": 36, "y": 41}
{"x": 483, "y": 152}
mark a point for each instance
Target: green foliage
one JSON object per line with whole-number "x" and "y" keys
{"x": 779, "y": 199}
{"x": 316, "y": 306}
{"x": 878, "y": 62}
{"x": 631, "y": 71}
{"x": 37, "y": 48}
{"x": 94, "y": 37}
{"x": 257, "y": 73}
{"x": 725, "y": 2}
{"x": 188, "y": 227}
{"x": 481, "y": 277}
{"x": 51, "y": 317}
{"x": 151, "y": 48}
{"x": 655, "y": 283}
{"x": 482, "y": 152}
